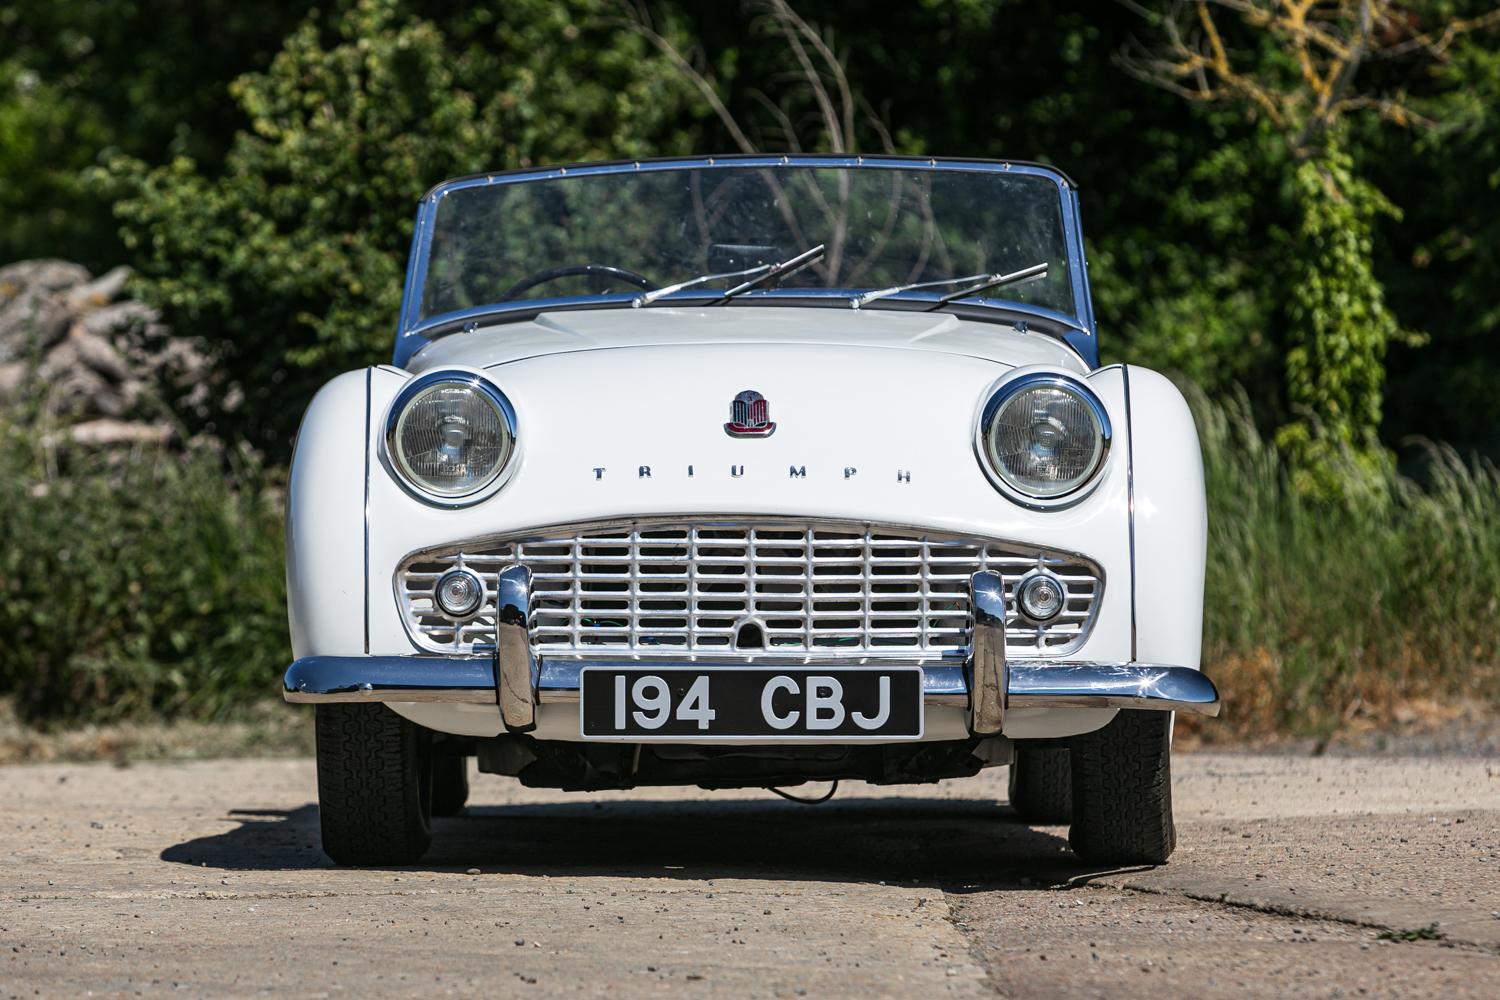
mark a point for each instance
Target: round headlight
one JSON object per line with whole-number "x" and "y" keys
{"x": 1044, "y": 436}
{"x": 451, "y": 434}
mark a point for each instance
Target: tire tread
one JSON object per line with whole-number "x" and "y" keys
{"x": 1041, "y": 784}
{"x": 1122, "y": 791}
{"x": 373, "y": 786}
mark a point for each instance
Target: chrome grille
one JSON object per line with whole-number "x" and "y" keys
{"x": 773, "y": 586}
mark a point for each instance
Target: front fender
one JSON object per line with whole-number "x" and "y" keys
{"x": 1169, "y": 522}
{"x": 325, "y": 521}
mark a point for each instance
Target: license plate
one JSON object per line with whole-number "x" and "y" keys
{"x": 689, "y": 704}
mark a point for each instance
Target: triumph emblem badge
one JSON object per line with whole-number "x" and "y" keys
{"x": 749, "y": 416}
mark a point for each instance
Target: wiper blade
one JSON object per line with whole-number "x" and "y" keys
{"x": 757, "y": 275}
{"x": 646, "y": 298}
{"x": 777, "y": 271}
{"x": 881, "y": 293}
{"x": 977, "y": 283}
{"x": 993, "y": 281}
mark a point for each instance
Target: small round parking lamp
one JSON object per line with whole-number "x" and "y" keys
{"x": 1041, "y": 597}
{"x": 458, "y": 593}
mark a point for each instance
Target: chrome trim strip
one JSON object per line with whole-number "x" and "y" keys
{"x": 517, "y": 672}
{"x": 1130, "y": 499}
{"x": 987, "y": 705}
{"x": 1112, "y": 685}
{"x": 471, "y": 680}
{"x": 896, "y": 161}
{"x": 462, "y": 680}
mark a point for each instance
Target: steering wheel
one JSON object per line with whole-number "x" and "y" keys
{"x": 574, "y": 270}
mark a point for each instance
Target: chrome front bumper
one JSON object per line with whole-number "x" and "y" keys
{"x": 516, "y": 680}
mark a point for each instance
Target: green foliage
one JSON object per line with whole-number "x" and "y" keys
{"x": 134, "y": 583}
{"x": 1339, "y": 326}
{"x": 291, "y": 261}
{"x": 80, "y": 77}
{"x": 1440, "y": 262}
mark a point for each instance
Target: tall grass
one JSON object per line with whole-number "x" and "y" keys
{"x": 1320, "y": 612}
{"x": 146, "y": 582}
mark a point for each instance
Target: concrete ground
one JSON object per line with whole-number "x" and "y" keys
{"x": 1294, "y": 876}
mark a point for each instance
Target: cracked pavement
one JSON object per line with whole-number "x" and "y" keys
{"x": 1294, "y": 876}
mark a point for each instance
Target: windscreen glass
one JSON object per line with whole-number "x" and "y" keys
{"x": 618, "y": 233}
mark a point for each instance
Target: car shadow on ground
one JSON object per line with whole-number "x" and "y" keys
{"x": 963, "y": 844}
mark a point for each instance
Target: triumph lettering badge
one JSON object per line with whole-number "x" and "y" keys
{"x": 750, "y": 416}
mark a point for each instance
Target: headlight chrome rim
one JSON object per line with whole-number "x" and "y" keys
{"x": 396, "y": 461}
{"x": 999, "y": 477}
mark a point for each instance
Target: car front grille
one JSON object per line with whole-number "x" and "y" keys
{"x": 747, "y": 587}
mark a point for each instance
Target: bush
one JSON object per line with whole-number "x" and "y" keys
{"x": 1317, "y": 612}
{"x": 137, "y": 582}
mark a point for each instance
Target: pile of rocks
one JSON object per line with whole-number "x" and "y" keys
{"x": 75, "y": 354}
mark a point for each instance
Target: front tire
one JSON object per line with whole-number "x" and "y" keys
{"x": 1041, "y": 784}
{"x": 374, "y": 785}
{"x": 1122, "y": 791}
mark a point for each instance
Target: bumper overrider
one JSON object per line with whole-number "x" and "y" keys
{"x": 516, "y": 679}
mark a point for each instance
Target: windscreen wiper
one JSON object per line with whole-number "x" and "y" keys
{"x": 756, "y": 276}
{"x": 993, "y": 281}
{"x": 777, "y": 271}
{"x": 976, "y": 283}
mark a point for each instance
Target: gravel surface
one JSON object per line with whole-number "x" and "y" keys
{"x": 1322, "y": 877}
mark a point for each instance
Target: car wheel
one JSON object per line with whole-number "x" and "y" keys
{"x": 1122, "y": 791}
{"x": 374, "y": 785}
{"x": 1041, "y": 784}
{"x": 450, "y": 784}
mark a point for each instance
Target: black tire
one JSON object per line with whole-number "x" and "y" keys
{"x": 1041, "y": 784}
{"x": 1122, "y": 791}
{"x": 374, "y": 786}
{"x": 450, "y": 784}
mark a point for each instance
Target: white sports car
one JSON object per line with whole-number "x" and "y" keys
{"x": 748, "y": 472}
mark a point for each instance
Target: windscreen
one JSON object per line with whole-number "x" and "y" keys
{"x": 628, "y": 231}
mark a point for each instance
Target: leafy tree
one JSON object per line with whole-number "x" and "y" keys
{"x": 145, "y": 77}
{"x": 1177, "y": 198}
{"x": 1296, "y": 66}
{"x": 1335, "y": 303}
{"x": 1440, "y": 262}
{"x": 291, "y": 258}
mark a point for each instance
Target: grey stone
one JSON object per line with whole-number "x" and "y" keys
{"x": 12, "y": 378}
{"x": 47, "y": 275}
{"x": 98, "y": 353}
{"x": 114, "y": 432}
{"x": 71, "y": 348}
{"x": 118, "y": 316}
{"x": 101, "y": 291}
{"x": 32, "y": 321}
